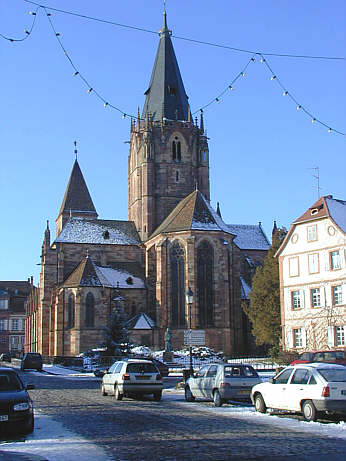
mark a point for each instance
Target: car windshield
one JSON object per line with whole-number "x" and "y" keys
{"x": 10, "y": 382}
{"x": 333, "y": 375}
{"x": 141, "y": 368}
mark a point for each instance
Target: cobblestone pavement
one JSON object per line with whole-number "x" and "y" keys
{"x": 146, "y": 430}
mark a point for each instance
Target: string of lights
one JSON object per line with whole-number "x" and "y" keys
{"x": 26, "y": 31}
{"x": 217, "y": 99}
{"x": 200, "y": 42}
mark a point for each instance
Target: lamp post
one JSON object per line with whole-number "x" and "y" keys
{"x": 189, "y": 301}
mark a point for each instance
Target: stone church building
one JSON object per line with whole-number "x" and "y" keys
{"x": 173, "y": 240}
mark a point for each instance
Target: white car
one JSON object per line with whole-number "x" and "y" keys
{"x": 132, "y": 377}
{"x": 309, "y": 388}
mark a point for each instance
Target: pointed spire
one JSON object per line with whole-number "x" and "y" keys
{"x": 166, "y": 85}
{"x": 138, "y": 119}
{"x": 201, "y": 125}
{"x": 77, "y": 197}
{"x": 218, "y": 209}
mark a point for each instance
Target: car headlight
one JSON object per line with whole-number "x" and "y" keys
{"x": 21, "y": 406}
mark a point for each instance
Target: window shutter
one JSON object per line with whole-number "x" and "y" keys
{"x": 343, "y": 293}
{"x": 322, "y": 296}
{"x": 23, "y": 324}
{"x": 288, "y": 302}
{"x": 6, "y": 324}
{"x": 290, "y": 338}
{"x": 342, "y": 258}
{"x": 326, "y": 261}
{"x": 302, "y": 298}
{"x": 331, "y": 336}
{"x": 303, "y": 337}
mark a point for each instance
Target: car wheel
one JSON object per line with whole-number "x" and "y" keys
{"x": 260, "y": 405}
{"x": 217, "y": 398}
{"x": 103, "y": 392}
{"x": 157, "y": 396}
{"x": 309, "y": 411}
{"x": 117, "y": 394}
{"x": 188, "y": 395}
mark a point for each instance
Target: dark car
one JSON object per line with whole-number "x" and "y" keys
{"x": 31, "y": 360}
{"x": 338, "y": 357}
{"x": 16, "y": 408}
{"x": 5, "y": 357}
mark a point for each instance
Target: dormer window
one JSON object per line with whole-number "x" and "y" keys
{"x": 176, "y": 150}
{"x": 129, "y": 280}
{"x": 314, "y": 211}
{"x": 172, "y": 90}
{"x": 106, "y": 235}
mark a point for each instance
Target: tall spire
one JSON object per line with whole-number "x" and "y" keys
{"x": 166, "y": 97}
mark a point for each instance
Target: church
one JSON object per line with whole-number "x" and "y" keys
{"x": 173, "y": 241}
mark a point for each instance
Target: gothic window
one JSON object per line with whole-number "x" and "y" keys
{"x": 205, "y": 284}
{"x": 89, "y": 310}
{"x": 70, "y": 311}
{"x": 176, "y": 150}
{"x": 177, "y": 263}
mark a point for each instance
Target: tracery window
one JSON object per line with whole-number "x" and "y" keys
{"x": 205, "y": 256}
{"x": 89, "y": 310}
{"x": 70, "y": 311}
{"x": 177, "y": 263}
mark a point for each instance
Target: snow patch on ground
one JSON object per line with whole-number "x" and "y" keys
{"x": 51, "y": 440}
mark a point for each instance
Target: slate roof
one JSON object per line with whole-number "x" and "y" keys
{"x": 140, "y": 321}
{"x": 99, "y": 231}
{"x": 192, "y": 213}
{"x": 11, "y": 286}
{"x": 117, "y": 275}
{"x": 249, "y": 237}
{"x": 324, "y": 207}
{"x": 77, "y": 197}
{"x": 166, "y": 95}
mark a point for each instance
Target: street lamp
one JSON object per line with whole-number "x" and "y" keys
{"x": 189, "y": 301}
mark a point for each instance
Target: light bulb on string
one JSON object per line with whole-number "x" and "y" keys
{"x": 273, "y": 77}
{"x": 253, "y": 59}
{"x": 242, "y": 74}
{"x": 32, "y": 13}
{"x": 231, "y": 87}
{"x": 58, "y": 34}
{"x": 49, "y": 14}
{"x": 262, "y": 60}
{"x": 75, "y": 73}
{"x": 329, "y": 130}
{"x": 299, "y": 107}
{"x": 285, "y": 93}
{"x": 124, "y": 115}
{"x": 313, "y": 120}
{"x": 27, "y": 32}
{"x": 90, "y": 90}
{"x": 217, "y": 100}
{"x": 105, "y": 104}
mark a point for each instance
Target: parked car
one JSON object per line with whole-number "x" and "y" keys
{"x": 311, "y": 389}
{"x": 132, "y": 377}
{"x": 338, "y": 357}
{"x": 16, "y": 408}
{"x": 221, "y": 382}
{"x": 5, "y": 357}
{"x": 31, "y": 360}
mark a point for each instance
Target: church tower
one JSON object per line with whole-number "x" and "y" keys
{"x": 169, "y": 156}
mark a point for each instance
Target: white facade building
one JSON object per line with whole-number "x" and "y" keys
{"x": 313, "y": 279}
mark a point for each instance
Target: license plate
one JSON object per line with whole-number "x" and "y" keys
{"x": 244, "y": 392}
{"x": 3, "y": 417}
{"x": 142, "y": 377}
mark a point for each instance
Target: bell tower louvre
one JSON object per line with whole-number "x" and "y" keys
{"x": 169, "y": 156}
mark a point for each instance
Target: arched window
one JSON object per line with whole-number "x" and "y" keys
{"x": 177, "y": 263}
{"x": 176, "y": 150}
{"x": 205, "y": 284}
{"x": 70, "y": 311}
{"x": 89, "y": 310}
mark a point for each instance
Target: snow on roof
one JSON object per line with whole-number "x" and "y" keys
{"x": 118, "y": 278}
{"x": 337, "y": 211}
{"x": 245, "y": 289}
{"x": 249, "y": 236}
{"x": 143, "y": 323}
{"x": 79, "y": 230}
{"x": 208, "y": 219}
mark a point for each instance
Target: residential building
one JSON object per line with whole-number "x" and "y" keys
{"x": 13, "y": 298}
{"x": 313, "y": 278}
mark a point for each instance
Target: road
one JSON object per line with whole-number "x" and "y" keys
{"x": 170, "y": 430}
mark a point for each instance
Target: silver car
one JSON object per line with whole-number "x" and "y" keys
{"x": 132, "y": 377}
{"x": 221, "y": 382}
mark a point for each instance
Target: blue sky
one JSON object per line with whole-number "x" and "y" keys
{"x": 262, "y": 148}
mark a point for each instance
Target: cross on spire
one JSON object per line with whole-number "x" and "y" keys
{"x": 75, "y": 149}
